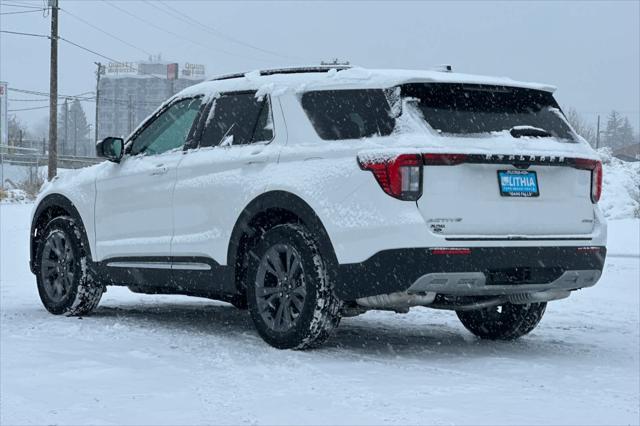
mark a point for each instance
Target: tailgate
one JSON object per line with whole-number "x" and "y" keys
{"x": 468, "y": 200}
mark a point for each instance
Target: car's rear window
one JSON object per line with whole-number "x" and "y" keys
{"x": 473, "y": 108}
{"x": 448, "y": 108}
{"x": 348, "y": 114}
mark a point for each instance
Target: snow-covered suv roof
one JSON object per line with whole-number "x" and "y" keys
{"x": 317, "y": 78}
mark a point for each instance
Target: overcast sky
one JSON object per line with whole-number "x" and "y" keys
{"x": 589, "y": 50}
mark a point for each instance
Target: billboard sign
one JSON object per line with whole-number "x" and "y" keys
{"x": 4, "y": 123}
{"x": 172, "y": 71}
{"x": 193, "y": 70}
{"x": 122, "y": 67}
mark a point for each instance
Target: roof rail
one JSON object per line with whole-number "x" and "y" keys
{"x": 442, "y": 68}
{"x": 290, "y": 70}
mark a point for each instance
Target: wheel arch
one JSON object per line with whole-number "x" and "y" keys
{"x": 50, "y": 207}
{"x": 262, "y": 213}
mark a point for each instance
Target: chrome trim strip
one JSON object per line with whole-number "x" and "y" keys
{"x": 188, "y": 266}
{"x": 150, "y": 265}
{"x": 192, "y": 266}
{"x": 518, "y": 238}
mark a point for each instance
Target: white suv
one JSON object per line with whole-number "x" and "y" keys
{"x": 307, "y": 195}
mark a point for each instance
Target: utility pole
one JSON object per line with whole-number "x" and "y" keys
{"x": 98, "y": 73}
{"x": 75, "y": 133}
{"x": 66, "y": 127}
{"x": 598, "y": 133}
{"x": 53, "y": 93}
{"x": 130, "y": 108}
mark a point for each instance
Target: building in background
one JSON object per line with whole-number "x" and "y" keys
{"x": 131, "y": 91}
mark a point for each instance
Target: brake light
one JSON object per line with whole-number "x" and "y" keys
{"x": 400, "y": 177}
{"x": 596, "y": 176}
{"x": 444, "y": 159}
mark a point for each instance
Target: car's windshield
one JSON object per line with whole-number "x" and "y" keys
{"x": 449, "y": 109}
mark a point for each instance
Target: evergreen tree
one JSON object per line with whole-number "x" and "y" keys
{"x": 79, "y": 129}
{"x": 73, "y": 130}
{"x": 626, "y": 133}
{"x": 614, "y": 124}
{"x": 63, "y": 129}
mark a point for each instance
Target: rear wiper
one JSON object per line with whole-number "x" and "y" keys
{"x": 529, "y": 131}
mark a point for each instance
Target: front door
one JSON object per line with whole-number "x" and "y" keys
{"x": 133, "y": 213}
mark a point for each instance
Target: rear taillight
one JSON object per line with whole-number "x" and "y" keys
{"x": 596, "y": 182}
{"x": 596, "y": 176}
{"x": 400, "y": 177}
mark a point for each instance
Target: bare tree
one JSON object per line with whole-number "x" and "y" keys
{"x": 581, "y": 127}
{"x": 17, "y": 131}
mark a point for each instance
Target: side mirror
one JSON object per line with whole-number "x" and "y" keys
{"x": 110, "y": 148}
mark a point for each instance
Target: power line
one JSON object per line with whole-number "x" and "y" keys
{"x": 38, "y": 93}
{"x": 165, "y": 30}
{"x": 24, "y": 34}
{"x": 22, "y": 11}
{"x": 87, "y": 49}
{"x": 22, "y": 5}
{"x": 28, "y": 109}
{"x": 81, "y": 98}
{"x": 27, "y": 100}
{"x": 83, "y": 48}
{"x": 212, "y": 30}
{"x": 105, "y": 57}
{"x": 105, "y": 32}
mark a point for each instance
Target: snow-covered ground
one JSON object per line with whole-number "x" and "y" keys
{"x": 177, "y": 360}
{"x": 621, "y": 187}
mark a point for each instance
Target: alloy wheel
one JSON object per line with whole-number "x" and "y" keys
{"x": 58, "y": 266}
{"x": 280, "y": 287}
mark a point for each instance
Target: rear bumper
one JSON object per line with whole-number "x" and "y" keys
{"x": 472, "y": 271}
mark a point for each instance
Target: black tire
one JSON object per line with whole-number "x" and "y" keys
{"x": 65, "y": 283}
{"x": 504, "y": 322}
{"x": 292, "y": 305}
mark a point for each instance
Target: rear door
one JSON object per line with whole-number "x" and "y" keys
{"x": 238, "y": 148}
{"x": 133, "y": 212}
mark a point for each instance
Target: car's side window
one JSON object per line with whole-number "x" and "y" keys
{"x": 169, "y": 130}
{"x": 238, "y": 119}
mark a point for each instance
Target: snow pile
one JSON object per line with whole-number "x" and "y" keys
{"x": 621, "y": 187}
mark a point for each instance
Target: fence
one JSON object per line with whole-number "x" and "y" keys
{"x": 31, "y": 159}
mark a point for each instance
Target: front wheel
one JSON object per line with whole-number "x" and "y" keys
{"x": 504, "y": 322}
{"x": 65, "y": 283}
{"x": 289, "y": 293}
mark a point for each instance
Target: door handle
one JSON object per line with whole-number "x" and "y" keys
{"x": 159, "y": 171}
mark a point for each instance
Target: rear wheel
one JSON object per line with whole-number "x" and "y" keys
{"x": 289, "y": 294}
{"x": 504, "y": 322}
{"x": 65, "y": 283}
